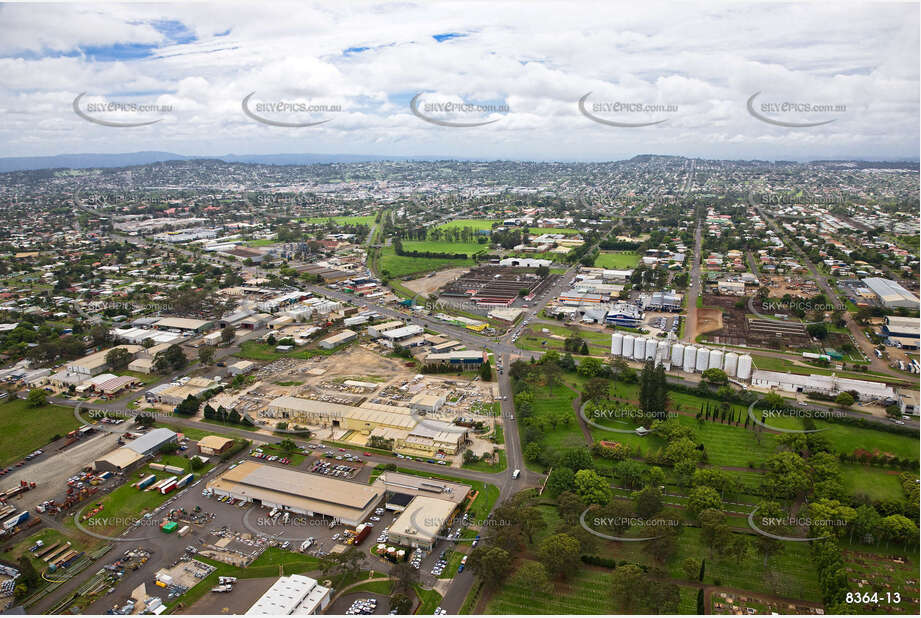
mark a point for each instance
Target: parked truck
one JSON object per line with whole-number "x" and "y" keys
{"x": 15, "y": 520}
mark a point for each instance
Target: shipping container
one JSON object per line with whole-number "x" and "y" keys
{"x": 168, "y": 487}
{"x": 147, "y": 481}
{"x": 184, "y": 481}
{"x": 184, "y": 530}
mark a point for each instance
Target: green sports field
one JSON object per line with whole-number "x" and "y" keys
{"x": 617, "y": 260}
{"x": 26, "y": 429}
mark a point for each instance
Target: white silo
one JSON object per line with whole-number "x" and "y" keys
{"x": 716, "y": 359}
{"x": 639, "y": 348}
{"x": 677, "y": 354}
{"x": 663, "y": 352}
{"x": 745, "y": 367}
{"x": 690, "y": 356}
{"x": 628, "y": 346}
{"x": 703, "y": 359}
{"x": 731, "y": 364}
{"x": 651, "y": 345}
{"x": 617, "y": 344}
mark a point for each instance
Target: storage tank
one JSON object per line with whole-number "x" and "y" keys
{"x": 677, "y": 355}
{"x": 639, "y": 348}
{"x": 663, "y": 350}
{"x": 628, "y": 346}
{"x": 703, "y": 359}
{"x": 716, "y": 359}
{"x": 730, "y": 364}
{"x": 651, "y": 345}
{"x": 690, "y": 356}
{"x": 745, "y": 367}
{"x": 617, "y": 344}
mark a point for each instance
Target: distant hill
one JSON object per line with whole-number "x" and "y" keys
{"x": 91, "y": 160}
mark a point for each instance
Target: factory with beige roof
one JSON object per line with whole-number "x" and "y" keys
{"x": 409, "y": 435}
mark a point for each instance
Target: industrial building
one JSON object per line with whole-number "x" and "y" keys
{"x": 401, "y": 336}
{"x": 185, "y": 325}
{"x": 624, "y": 314}
{"x": 423, "y": 520}
{"x": 827, "y": 385}
{"x": 126, "y": 456}
{"x": 292, "y": 595}
{"x": 338, "y": 339}
{"x": 214, "y": 445}
{"x": 394, "y": 423}
{"x": 901, "y": 327}
{"x": 891, "y": 294}
{"x": 298, "y": 492}
{"x": 462, "y": 359}
{"x": 95, "y": 363}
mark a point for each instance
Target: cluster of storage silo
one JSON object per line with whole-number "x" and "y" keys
{"x": 688, "y": 358}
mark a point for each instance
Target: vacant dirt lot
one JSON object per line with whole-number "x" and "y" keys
{"x": 430, "y": 285}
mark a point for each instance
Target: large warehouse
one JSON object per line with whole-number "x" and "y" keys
{"x": 423, "y": 520}
{"x": 298, "y": 492}
{"x": 388, "y": 422}
{"x": 891, "y": 294}
{"x": 294, "y": 595}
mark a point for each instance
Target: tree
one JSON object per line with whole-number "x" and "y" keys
{"x": 346, "y": 564}
{"x": 596, "y": 389}
{"x": 228, "y": 334}
{"x": 787, "y": 475}
{"x": 715, "y": 376}
{"x": 490, "y": 563}
{"x": 590, "y": 367}
{"x": 570, "y": 507}
{"x": 648, "y": 502}
{"x": 118, "y": 358}
{"x": 206, "y": 354}
{"x": 29, "y": 576}
{"x": 37, "y": 398}
{"x": 576, "y": 459}
{"x": 703, "y": 498}
{"x": 404, "y": 578}
{"x": 559, "y": 553}
{"x": 400, "y": 604}
{"x": 552, "y": 373}
{"x": 714, "y": 530}
{"x": 561, "y": 479}
{"x": 691, "y": 567}
{"x": 630, "y": 587}
{"x": 486, "y": 372}
{"x": 591, "y": 488}
{"x": 845, "y": 400}
{"x": 533, "y": 576}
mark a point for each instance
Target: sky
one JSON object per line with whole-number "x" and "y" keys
{"x": 727, "y": 80}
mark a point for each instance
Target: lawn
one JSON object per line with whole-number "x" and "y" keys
{"x": 567, "y": 231}
{"x": 847, "y": 438}
{"x": 876, "y": 483}
{"x": 444, "y": 246}
{"x": 485, "y": 466}
{"x": 475, "y": 224}
{"x": 428, "y": 600}
{"x": 401, "y": 266}
{"x": 26, "y": 429}
{"x": 360, "y": 219}
{"x": 587, "y": 592}
{"x": 617, "y": 260}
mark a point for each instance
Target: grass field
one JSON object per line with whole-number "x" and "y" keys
{"x": 444, "y": 246}
{"x": 847, "y": 438}
{"x": 875, "y": 483}
{"x": 475, "y": 224}
{"x": 568, "y": 231}
{"x": 26, "y": 429}
{"x": 363, "y": 219}
{"x": 401, "y": 266}
{"x": 587, "y": 592}
{"x": 617, "y": 260}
